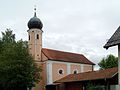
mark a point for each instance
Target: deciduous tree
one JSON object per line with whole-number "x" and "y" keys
{"x": 17, "y": 68}
{"x": 108, "y": 62}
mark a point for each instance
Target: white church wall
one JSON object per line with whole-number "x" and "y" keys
{"x": 53, "y": 68}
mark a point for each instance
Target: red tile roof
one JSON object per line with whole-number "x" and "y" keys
{"x": 66, "y": 56}
{"x": 91, "y": 75}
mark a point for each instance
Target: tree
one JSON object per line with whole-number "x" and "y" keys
{"x": 17, "y": 68}
{"x": 0, "y": 44}
{"x": 90, "y": 86}
{"x": 108, "y": 62}
{"x": 7, "y": 36}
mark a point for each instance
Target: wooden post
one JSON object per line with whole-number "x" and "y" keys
{"x": 108, "y": 86}
{"x": 119, "y": 67}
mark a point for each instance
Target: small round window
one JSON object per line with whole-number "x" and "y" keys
{"x": 60, "y": 71}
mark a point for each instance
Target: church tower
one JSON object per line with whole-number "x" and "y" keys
{"x": 35, "y": 37}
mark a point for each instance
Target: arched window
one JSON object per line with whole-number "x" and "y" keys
{"x": 29, "y": 37}
{"x": 37, "y": 36}
{"x": 75, "y": 71}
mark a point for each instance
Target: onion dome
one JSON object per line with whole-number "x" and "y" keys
{"x": 35, "y": 22}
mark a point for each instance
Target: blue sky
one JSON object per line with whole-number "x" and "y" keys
{"x": 80, "y": 26}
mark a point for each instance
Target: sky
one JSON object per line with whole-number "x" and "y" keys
{"x": 78, "y": 26}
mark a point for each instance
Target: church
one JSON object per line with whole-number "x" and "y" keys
{"x": 55, "y": 64}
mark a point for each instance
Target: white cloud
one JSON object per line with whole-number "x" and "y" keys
{"x": 81, "y": 26}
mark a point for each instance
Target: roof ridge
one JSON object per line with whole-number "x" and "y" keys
{"x": 95, "y": 71}
{"x": 63, "y": 51}
{"x": 66, "y": 56}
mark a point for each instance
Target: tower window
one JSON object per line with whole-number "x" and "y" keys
{"x": 37, "y": 36}
{"x": 29, "y": 37}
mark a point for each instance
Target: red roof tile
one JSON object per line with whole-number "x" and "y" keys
{"x": 66, "y": 56}
{"x": 91, "y": 75}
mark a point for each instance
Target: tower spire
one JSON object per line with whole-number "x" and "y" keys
{"x": 34, "y": 10}
{"x": 35, "y": 22}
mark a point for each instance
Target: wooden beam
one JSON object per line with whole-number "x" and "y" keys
{"x": 119, "y": 67}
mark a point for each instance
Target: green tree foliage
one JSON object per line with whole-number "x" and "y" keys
{"x": 0, "y": 45}
{"x": 8, "y": 37}
{"x": 108, "y": 62}
{"x": 90, "y": 86}
{"x": 17, "y": 67}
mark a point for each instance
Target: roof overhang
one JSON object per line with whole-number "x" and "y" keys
{"x": 114, "y": 40}
{"x": 107, "y": 74}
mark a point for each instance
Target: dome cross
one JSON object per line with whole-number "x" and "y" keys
{"x": 35, "y": 11}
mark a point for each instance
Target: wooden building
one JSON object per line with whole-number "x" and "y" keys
{"x": 113, "y": 41}
{"x": 106, "y": 79}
